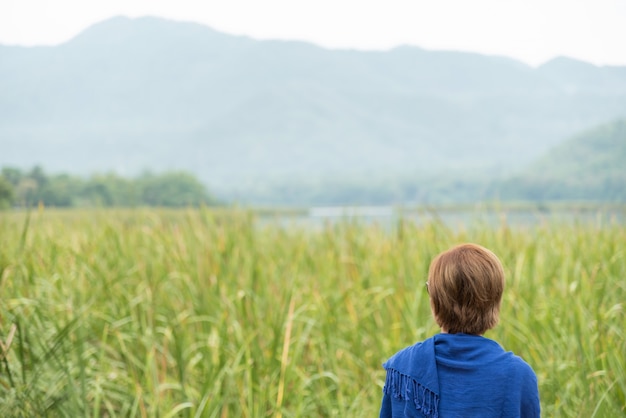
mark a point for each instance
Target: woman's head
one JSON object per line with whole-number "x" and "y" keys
{"x": 465, "y": 284}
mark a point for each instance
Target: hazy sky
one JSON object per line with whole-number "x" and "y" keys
{"x": 530, "y": 30}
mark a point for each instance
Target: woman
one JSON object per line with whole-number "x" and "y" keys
{"x": 460, "y": 373}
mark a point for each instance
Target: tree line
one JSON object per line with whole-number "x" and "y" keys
{"x": 25, "y": 188}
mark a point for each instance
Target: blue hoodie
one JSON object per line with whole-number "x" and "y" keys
{"x": 459, "y": 375}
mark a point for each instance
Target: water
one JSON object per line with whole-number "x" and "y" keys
{"x": 388, "y": 216}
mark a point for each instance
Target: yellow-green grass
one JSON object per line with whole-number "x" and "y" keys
{"x": 201, "y": 313}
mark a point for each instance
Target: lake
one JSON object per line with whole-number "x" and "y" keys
{"x": 454, "y": 217}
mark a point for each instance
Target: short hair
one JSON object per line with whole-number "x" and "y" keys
{"x": 465, "y": 284}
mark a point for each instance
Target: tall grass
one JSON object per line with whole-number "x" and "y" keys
{"x": 212, "y": 314}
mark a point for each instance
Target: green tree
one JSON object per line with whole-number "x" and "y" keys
{"x": 97, "y": 193}
{"x": 12, "y": 175}
{"x": 6, "y": 193}
{"x": 39, "y": 176}
{"x": 173, "y": 189}
{"x": 60, "y": 190}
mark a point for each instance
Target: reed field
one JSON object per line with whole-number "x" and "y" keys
{"x": 212, "y": 313}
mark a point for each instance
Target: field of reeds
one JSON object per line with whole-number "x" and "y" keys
{"x": 203, "y": 313}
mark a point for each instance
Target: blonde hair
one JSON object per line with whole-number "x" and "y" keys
{"x": 465, "y": 284}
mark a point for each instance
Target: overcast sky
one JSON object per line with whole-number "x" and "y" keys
{"x": 532, "y": 31}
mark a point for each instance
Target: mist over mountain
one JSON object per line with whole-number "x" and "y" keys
{"x": 246, "y": 115}
{"x": 588, "y": 166}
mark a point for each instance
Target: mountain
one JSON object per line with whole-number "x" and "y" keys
{"x": 244, "y": 115}
{"x": 574, "y": 76}
{"x": 589, "y": 166}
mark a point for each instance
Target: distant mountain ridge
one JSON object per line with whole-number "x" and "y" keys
{"x": 130, "y": 94}
{"x": 588, "y": 166}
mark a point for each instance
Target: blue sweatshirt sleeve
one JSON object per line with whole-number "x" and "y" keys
{"x": 531, "y": 407}
{"x": 385, "y": 409}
